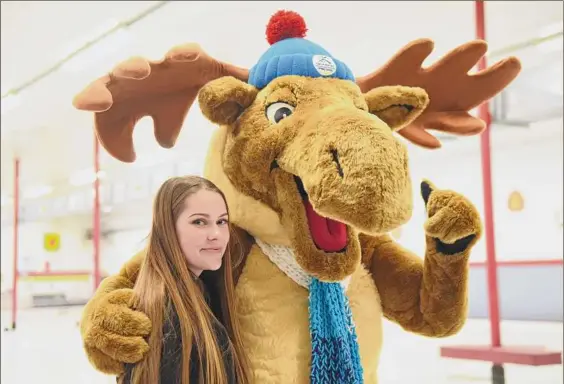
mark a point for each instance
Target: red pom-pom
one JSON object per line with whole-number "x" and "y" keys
{"x": 285, "y": 25}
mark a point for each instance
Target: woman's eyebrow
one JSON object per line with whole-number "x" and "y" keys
{"x": 199, "y": 214}
{"x": 206, "y": 215}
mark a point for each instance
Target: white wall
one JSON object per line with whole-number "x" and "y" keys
{"x": 528, "y": 161}
{"x": 129, "y": 230}
{"x": 74, "y": 255}
{"x": 74, "y": 252}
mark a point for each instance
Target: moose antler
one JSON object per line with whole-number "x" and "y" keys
{"x": 164, "y": 90}
{"x": 452, "y": 91}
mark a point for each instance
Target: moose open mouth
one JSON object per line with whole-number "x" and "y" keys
{"x": 328, "y": 235}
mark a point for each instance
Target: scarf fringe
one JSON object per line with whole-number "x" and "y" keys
{"x": 335, "y": 355}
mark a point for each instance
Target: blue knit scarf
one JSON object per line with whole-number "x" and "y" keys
{"x": 334, "y": 346}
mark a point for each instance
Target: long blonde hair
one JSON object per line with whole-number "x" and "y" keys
{"x": 164, "y": 279}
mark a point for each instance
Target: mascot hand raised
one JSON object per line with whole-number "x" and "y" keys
{"x": 453, "y": 221}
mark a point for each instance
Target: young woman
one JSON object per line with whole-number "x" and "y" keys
{"x": 185, "y": 287}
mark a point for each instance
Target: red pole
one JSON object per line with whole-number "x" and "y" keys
{"x": 96, "y": 213}
{"x": 484, "y": 114}
{"x": 16, "y": 241}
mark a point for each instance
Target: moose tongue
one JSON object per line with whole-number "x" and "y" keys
{"x": 329, "y": 235}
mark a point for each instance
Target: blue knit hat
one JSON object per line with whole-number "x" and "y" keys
{"x": 291, "y": 54}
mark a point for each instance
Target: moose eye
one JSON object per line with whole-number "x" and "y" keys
{"x": 278, "y": 111}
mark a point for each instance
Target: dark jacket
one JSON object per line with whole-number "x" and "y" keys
{"x": 171, "y": 354}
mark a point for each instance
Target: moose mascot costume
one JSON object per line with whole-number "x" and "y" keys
{"x": 309, "y": 157}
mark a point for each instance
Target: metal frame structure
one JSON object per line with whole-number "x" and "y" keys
{"x": 495, "y": 352}
{"x": 96, "y": 224}
{"x": 96, "y": 213}
{"x": 16, "y": 240}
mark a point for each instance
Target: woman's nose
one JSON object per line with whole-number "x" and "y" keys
{"x": 213, "y": 233}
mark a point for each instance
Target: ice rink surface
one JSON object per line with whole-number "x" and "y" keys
{"x": 46, "y": 348}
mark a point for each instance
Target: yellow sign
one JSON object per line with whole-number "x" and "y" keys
{"x": 55, "y": 278}
{"x": 516, "y": 202}
{"x": 51, "y": 242}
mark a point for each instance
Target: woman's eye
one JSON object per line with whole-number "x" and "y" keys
{"x": 198, "y": 222}
{"x": 278, "y": 111}
{"x": 223, "y": 222}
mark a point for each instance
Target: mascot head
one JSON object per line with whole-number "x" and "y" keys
{"x": 303, "y": 139}
{"x": 306, "y": 152}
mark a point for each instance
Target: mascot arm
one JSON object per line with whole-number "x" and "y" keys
{"x": 429, "y": 296}
{"x": 112, "y": 332}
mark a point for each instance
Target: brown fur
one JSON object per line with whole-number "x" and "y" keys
{"x": 397, "y": 106}
{"x": 255, "y": 161}
{"x": 108, "y": 324}
{"x": 372, "y": 196}
{"x": 280, "y": 353}
{"x": 326, "y": 110}
{"x": 427, "y": 296}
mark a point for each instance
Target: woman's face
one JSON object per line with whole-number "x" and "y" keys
{"x": 203, "y": 231}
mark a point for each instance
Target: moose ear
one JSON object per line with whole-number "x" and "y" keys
{"x": 397, "y": 106}
{"x": 223, "y": 100}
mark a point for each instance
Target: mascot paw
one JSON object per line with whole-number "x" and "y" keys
{"x": 114, "y": 333}
{"x": 453, "y": 221}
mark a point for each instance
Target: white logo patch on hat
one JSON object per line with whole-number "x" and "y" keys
{"x": 324, "y": 65}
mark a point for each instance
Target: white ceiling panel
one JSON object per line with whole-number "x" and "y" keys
{"x": 55, "y": 141}
{"x": 37, "y": 34}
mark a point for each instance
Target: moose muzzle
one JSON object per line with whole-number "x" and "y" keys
{"x": 349, "y": 170}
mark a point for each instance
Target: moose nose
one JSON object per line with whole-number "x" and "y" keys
{"x": 335, "y": 155}
{"x": 352, "y": 169}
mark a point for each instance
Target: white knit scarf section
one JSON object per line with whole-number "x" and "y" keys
{"x": 283, "y": 258}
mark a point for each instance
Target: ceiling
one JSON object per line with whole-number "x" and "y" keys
{"x": 54, "y": 141}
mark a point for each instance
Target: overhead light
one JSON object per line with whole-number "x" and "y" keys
{"x": 551, "y": 29}
{"x": 146, "y": 162}
{"x": 79, "y": 43}
{"x": 551, "y": 45}
{"x": 153, "y": 158}
{"x": 36, "y": 192}
{"x": 551, "y": 37}
{"x": 5, "y": 89}
{"x": 97, "y": 56}
{"x": 85, "y": 176}
{"x": 10, "y": 102}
